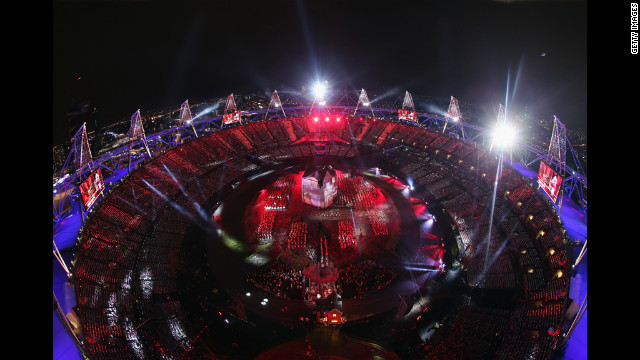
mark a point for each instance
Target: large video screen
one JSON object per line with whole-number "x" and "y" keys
{"x": 549, "y": 181}
{"x": 407, "y": 115}
{"x": 231, "y": 118}
{"x": 91, "y": 188}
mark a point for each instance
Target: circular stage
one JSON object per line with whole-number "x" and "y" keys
{"x": 356, "y": 254}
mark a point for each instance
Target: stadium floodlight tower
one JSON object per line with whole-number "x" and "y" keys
{"x": 408, "y": 110}
{"x": 318, "y": 96}
{"x": 71, "y": 173}
{"x": 230, "y": 106}
{"x": 231, "y": 113}
{"x": 81, "y": 151}
{"x": 454, "y": 114}
{"x": 503, "y": 134}
{"x": 557, "y": 154}
{"x": 275, "y": 102}
{"x": 185, "y": 118}
{"x": 364, "y": 100}
{"x": 136, "y": 131}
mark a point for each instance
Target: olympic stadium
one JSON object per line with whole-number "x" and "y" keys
{"x": 320, "y": 225}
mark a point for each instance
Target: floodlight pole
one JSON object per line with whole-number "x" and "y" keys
{"x": 137, "y": 131}
{"x": 558, "y": 152}
{"x": 364, "y": 99}
{"x": 454, "y": 113}
{"x": 185, "y": 117}
{"x": 408, "y": 102}
{"x": 81, "y": 150}
{"x": 275, "y": 100}
{"x": 81, "y": 158}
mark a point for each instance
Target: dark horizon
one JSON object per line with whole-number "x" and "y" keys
{"x": 150, "y": 55}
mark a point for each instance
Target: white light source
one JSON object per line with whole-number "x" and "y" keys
{"x": 503, "y": 135}
{"x": 318, "y": 90}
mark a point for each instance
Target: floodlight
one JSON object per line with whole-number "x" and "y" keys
{"x": 318, "y": 90}
{"x": 503, "y": 135}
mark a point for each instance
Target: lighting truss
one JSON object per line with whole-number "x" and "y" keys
{"x": 275, "y": 102}
{"x": 364, "y": 100}
{"x": 231, "y": 105}
{"x": 407, "y": 104}
{"x": 81, "y": 151}
{"x": 318, "y": 98}
{"x": 558, "y": 145}
{"x": 503, "y": 127}
{"x": 500, "y": 121}
{"x": 557, "y": 154}
{"x": 185, "y": 117}
{"x": 454, "y": 114}
{"x": 136, "y": 131}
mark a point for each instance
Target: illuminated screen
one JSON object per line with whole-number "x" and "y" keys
{"x": 407, "y": 115}
{"x": 91, "y": 188}
{"x": 549, "y": 181}
{"x": 231, "y": 118}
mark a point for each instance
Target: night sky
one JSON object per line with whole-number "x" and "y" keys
{"x": 149, "y": 55}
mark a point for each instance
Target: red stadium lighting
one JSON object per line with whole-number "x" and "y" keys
{"x": 338, "y": 119}
{"x": 326, "y": 119}
{"x": 315, "y": 119}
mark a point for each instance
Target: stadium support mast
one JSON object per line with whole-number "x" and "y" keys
{"x": 454, "y": 114}
{"x": 136, "y": 131}
{"x": 275, "y": 102}
{"x": 231, "y": 105}
{"x": 557, "y": 153}
{"x": 364, "y": 100}
{"x": 81, "y": 151}
{"x": 407, "y": 104}
{"x": 502, "y": 130}
{"x": 185, "y": 117}
{"x": 318, "y": 98}
{"x": 558, "y": 146}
